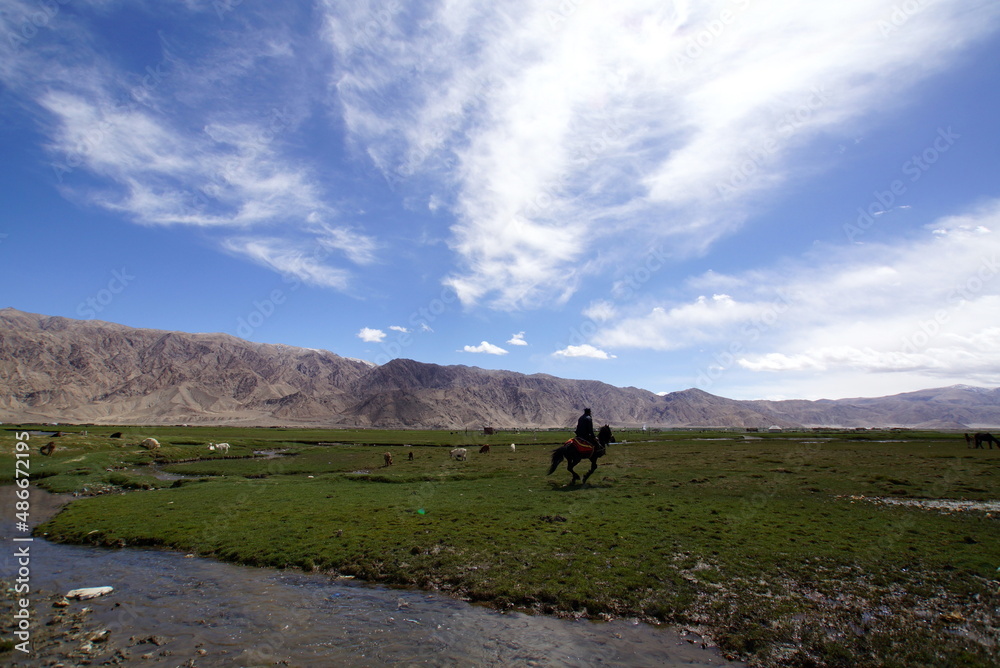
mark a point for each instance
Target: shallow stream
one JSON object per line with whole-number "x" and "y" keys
{"x": 205, "y": 613}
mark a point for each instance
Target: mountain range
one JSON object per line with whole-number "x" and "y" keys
{"x": 55, "y": 369}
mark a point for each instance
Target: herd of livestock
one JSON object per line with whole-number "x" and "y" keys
{"x": 462, "y": 454}
{"x": 458, "y": 454}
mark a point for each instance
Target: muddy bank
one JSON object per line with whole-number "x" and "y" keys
{"x": 171, "y": 610}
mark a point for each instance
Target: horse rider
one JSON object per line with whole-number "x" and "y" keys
{"x": 585, "y": 428}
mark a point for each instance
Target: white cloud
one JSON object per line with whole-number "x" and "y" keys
{"x": 916, "y": 308}
{"x": 683, "y": 325}
{"x": 289, "y": 258}
{"x": 585, "y": 350}
{"x": 370, "y": 335}
{"x": 600, "y": 311}
{"x": 662, "y": 119}
{"x": 359, "y": 248}
{"x": 485, "y": 347}
{"x": 186, "y": 141}
{"x": 399, "y": 328}
{"x": 159, "y": 174}
{"x": 517, "y": 340}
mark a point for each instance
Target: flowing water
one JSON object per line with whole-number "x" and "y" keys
{"x": 199, "y": 612}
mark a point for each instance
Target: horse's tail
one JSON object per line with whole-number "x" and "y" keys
{"x": 557, "y": 457}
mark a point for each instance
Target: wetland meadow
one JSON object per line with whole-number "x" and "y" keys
{"x": 813, "y": 548}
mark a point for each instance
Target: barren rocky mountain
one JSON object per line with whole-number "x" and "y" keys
{"x": 90, "y": 371}
{"x": 61, "y": 370}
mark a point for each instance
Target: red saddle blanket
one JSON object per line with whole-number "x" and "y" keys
{"x": 581, "y": 446}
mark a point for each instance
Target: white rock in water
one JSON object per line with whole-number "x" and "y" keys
{"x": 89, "y": 592}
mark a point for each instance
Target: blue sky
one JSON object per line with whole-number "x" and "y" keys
{"x": 760, "y": 199}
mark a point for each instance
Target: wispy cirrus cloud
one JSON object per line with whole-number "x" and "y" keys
{"x": 666, "y": 120}
{"x": 290, "y": 259}
{"x": 162, "y": 144}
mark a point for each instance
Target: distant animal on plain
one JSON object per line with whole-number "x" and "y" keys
{"x": 512, "y": 447}
{"x": 388, "y": 458}
{"x": 409, "y": 456}
{"x": 48, "y": 448}
{"x": 485, "y": 450}
{"x": 986, "y": 438}
{"x": 459, "y": 454}
{"x": 574, "y": 451}
{"x": 117, "y": 434}
{"x": 150, "y": 444}
{"x": 968, "y": 441}
{"x": 221, "y": 447}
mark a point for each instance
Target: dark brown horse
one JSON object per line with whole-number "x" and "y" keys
{"x": 575, "y": 451}
{"x": 986, "y": 438}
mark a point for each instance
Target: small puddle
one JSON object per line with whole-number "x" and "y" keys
{"x": 207, "y": 613}
{"x": 156, "y": 472}
{"x": 272, "y": 454}
{"x": 946, "y": 505}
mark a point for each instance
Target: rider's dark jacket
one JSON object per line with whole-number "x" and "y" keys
{"x": 585, "y": 429}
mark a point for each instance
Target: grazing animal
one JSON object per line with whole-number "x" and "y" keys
{"x": 221, "y": 447}
{"x": 117, "y": 434}
{"x": 485, "y": 450}
{"x": 388, "y": 458}
{"x": 574, "y": 451}
{"x": 968, "y": 441}
{"x": 986, "y": 438}
{"x": 48, "y": 448}
{"x": 512, "y": 448}
{"x": 409, "y": 456}
{"x": 459, "y": 454}
{"x": 150, "y": 444}
{"x": 488, "y": 431}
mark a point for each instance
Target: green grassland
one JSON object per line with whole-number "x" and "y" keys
{"x": 756, "y": 542}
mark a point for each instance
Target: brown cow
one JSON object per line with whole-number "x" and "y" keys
{"x": 485, "y": 450}
{"x": 388, "y": 458}
{"x": 48, "y": 448}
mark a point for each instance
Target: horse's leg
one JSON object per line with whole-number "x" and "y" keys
{"x": 593, "y": 467}
{"x": 570, "y": 463}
